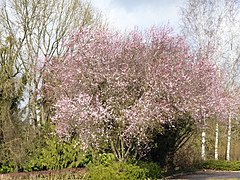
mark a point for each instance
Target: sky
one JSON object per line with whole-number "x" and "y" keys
{"x": 127, "y": 14}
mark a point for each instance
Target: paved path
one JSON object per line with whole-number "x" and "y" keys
{"x": 210, "y": 175}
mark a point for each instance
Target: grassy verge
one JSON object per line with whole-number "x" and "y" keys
{"x": 221, "y": 165}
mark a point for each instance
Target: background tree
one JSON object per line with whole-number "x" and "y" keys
{"x": 12, "y": 84}
{"x": 39, "y": 27}
{"x": 213, "y": 26}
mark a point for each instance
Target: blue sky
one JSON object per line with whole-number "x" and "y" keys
{"x": 126, "y": 14}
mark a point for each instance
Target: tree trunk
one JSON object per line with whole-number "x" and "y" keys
{"x": 216, "y": 142}
{"x": 204, "y": 144}
{"x": 229, "y": 137}
{"x": 204, "y": 139}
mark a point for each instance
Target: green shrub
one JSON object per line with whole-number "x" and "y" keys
{"x": 57, "y": 155}
{"x": 222, "y": 165}
{"x": 106, "y": 159}
{"x": 152, "y": 170}
{"x": 119, "y": 171}
{"x": 7, "y": 168}
{"x": 116, "y": 171}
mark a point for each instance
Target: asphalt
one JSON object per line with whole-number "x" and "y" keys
{"x": 201, "y": 175}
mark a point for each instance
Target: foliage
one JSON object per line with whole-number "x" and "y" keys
{"x": 57, "y": 154}
{"x": 152, "y": 170}
{"x": 120, "y": 170}
{"x": 48, "y": 153}
{"x": 222, "y": 165}
{"x": 105, "y": 159}
{"x": 7, "y": 167}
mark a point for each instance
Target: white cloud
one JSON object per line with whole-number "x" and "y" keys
{"x": 126, "y": 14}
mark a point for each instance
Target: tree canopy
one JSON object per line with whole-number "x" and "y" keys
{"x": 117, "y": 88}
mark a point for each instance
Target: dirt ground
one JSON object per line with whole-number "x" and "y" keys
{"x": 25, "y": 175}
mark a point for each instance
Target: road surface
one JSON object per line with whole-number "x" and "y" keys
{"x": 209, "y": 175}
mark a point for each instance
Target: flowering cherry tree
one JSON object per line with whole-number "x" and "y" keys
{"x": 116, "y": 89}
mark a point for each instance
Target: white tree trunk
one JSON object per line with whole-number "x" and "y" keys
{"x": 229, "y": 137}
{"x": 204, "y": 144}
{"x": 216, "y": 142}
{"x": 204, "y": 139}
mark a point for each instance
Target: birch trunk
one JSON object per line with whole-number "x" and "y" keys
{"x": 204, "y": 144}
{"x": 216, "y": 142}
{"x": 204, "y": 140}
{"x": 229, "y": 137}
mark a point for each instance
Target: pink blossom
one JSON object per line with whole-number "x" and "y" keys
{"x": 111, "y": 87}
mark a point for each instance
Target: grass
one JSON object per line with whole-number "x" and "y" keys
{"x": 222, "y": 165}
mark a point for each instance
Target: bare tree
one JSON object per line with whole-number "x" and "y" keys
{"x": 39, "y": 27}
{"x": 12, "y": 83}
